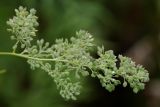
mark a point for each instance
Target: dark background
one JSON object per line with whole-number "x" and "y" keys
{"x": 129, "y": 27}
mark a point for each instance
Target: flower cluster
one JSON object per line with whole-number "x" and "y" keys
{"x": 69, "y": 60}
{"x": 23, "y": 26}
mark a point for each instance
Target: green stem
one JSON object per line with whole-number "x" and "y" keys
{"x": 29, "y": 57}
{"x": 15, "y": 47}
{"x": 38, "y": 59}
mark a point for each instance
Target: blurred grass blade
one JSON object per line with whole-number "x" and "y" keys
{"x": 2, "y": 71}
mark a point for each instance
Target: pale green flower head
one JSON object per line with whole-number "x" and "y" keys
{"x": 23, "y": 26}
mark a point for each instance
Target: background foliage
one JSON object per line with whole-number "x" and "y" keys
{"x": 128, "y": 27}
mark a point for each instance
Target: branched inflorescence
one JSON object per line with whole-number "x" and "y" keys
{"x": 72, "y": 57}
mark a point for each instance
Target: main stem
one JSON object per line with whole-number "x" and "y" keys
{"x": 29, "y": 57}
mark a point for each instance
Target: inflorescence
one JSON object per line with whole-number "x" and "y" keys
{"x": 72, "y": 57}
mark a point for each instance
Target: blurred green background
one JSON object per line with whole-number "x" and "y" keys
{"x": 129, "y": 27}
